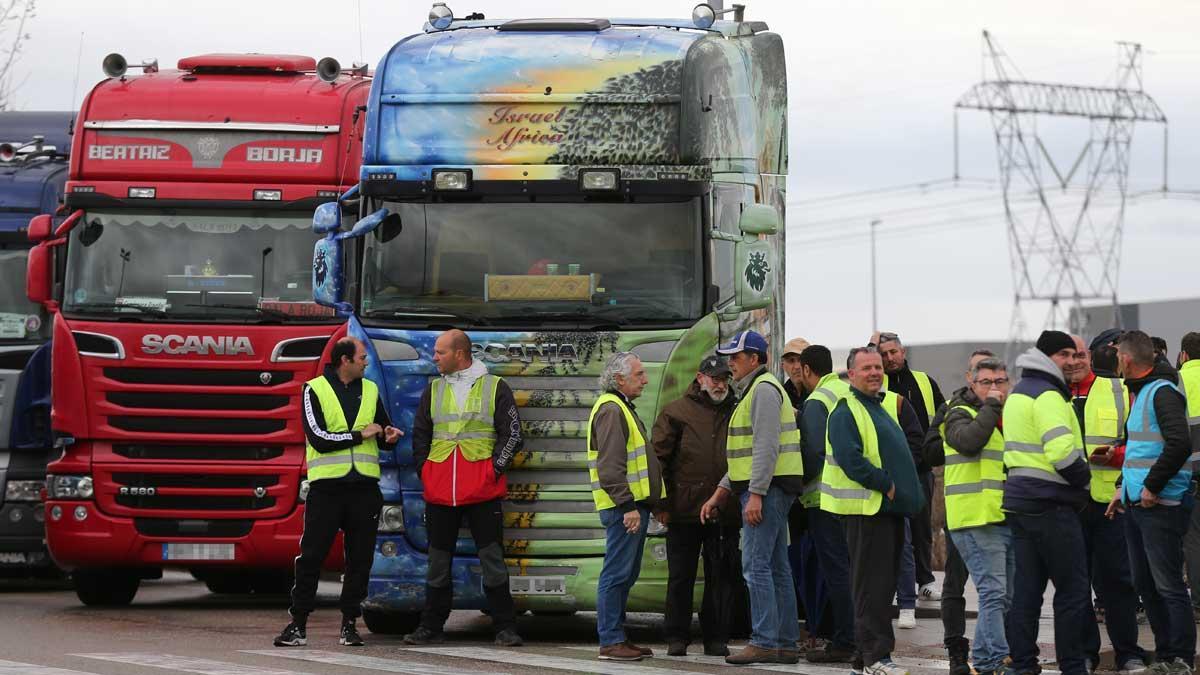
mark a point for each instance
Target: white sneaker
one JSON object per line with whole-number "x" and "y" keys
{"x": 928, "y": 592}
{"x": 885, "y": 667}
{"x": 908, "y": 619}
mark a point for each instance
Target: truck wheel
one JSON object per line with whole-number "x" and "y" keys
{"x": 105, "y": 588}
{"x": 228, "y": 583}
{"x": 390, "y": 623}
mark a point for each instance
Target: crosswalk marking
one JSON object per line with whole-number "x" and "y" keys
{"x": 18, "y": 668}
{"x": 542, "y": 661}
{"x": 187, "y": 664}
{"x": 802, "y": 667}
{"x": 391, "y": 665}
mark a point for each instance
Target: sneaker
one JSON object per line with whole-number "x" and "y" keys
{"x": 645, "y": 651}
{"x": 1134, "y": 666}
{"x": 508, "y": 637}
{"x": 1089, "y": 665}
{"x": 752, "y": 654}
{"x": 424, "y": 636}
{"x": 929, "y": 593}
{"x": 830, "y": 654}
{"x": 884, "y": 667}
{"x": 908, "y": 619}
{"x": 716, "y": 649}
{"x": 294, "y": 635}
{"x": 677, "y": 649}
{"x": 1158, "y": 668}
{"x": 350, "y": 636}
{"x": 620, "y": 652}
{"x": 856, "y": 665}
{"x": 1179, "y": 667}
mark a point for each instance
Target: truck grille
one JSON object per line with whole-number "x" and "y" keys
{"x": 188, "y": 502}
{"x": 197, "y": 452}
{"x": 172, "y": 527}
{"x": 196, "y": 377}
{"x": 197, "y": 425}
{"x": 188, "y": 401}
{"x": 195, "y": 496}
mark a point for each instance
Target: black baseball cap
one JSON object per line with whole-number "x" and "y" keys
{"x": 715, "y": 366}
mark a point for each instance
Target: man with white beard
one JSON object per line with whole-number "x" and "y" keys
{"x": 689, "y": 439}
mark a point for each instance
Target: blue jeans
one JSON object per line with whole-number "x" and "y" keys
{"x": 773, "y": 615}
{"x": 1048, "y": 547}
{"x": 988, "y": 553}
{"x": 1155, "y": 537}
{"x": 834, "y": 559}
{"x": 622, "y": 563}
{"x": 906, "y": 580}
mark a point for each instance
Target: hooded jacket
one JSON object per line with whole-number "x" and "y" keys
{"x": 1041, "y": 376}
{"x": 1170, "y": 409}
{"x": 689, "y": 439}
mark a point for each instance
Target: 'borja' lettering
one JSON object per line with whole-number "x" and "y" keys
{"x": 285, "y": 155}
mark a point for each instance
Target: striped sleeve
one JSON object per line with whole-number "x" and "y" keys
{"x": 320, "y": 438}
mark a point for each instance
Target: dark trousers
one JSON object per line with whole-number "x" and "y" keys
{"x": 352, "y": 507}
{"x": 833, "y": 558}
{"x": 486, "y": 522}
{"x": 954, "y": 605}
{"x": 1048, "y": 547}
{"x": 922, "y": 533}
{"x": 1191, "y": 550}
{"x": 874, "y": 545}
{"x": 1113, "y": 583}
{"x": 1155, "y": 537}
{"x": 687, "y": 543}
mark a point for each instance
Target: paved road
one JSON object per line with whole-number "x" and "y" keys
{"x": 176, "y": 626}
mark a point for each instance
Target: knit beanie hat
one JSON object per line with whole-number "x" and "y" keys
{"x": 1051, "y": 342}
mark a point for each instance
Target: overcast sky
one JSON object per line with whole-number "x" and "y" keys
{"x": 872, "y": 89}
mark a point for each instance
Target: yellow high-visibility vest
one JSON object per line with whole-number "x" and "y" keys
{"x": 974, "y": 485}
{"x": 363, "y": 457}
{"x": 1039, "y": 451}
{"x": 739, "y": 446}
{"x": 830, "y": 389}
{"x": 637, "y": 464}
{"x": 926, "y": 386}
{"x": 839, "y": 493}
{"x": 471, "y": 429}
{"x": 1104, "y": 413}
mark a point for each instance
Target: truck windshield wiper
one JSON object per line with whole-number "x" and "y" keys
{"x": 428, "y": 312}
{"x": 261, "y": 311}
{"x": 599, "y": 316}
{"x": 100, "y": 306}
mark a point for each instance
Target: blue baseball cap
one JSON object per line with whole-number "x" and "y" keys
{"x": 745, "y": 341}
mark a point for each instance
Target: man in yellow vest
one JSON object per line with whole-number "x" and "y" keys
{"x": 344, "y": 421}
{"x": 765, "y": 471}
{"x": 1189, "y": 381}
{"x": 627, "y": 485}
{"x": 1101, "y": 403}
{"x": 922, "y": 391}
{"x": 465, "y": 432}
{"x": 870, "y": 480}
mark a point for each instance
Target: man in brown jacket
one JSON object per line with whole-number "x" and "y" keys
{"x": 689, "y": 439}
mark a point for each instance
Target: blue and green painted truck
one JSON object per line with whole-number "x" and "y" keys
{"x": 561, "y": 189}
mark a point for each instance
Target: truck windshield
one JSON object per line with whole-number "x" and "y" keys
{"x": 530, "y": 262}
{"x": 226, "y": 266}
{"x": 20, "y": 320}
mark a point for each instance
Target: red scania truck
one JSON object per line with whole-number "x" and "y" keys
{"x": 179, "y": 282}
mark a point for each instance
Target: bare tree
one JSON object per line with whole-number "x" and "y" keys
{"x": 15, "y": 15}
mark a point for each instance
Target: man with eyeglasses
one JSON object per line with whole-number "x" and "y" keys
{"x": 926, "y": 398}
{"x": 1102, "y": 402}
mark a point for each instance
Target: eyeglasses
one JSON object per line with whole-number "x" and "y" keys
{"x": 999, "y": 382}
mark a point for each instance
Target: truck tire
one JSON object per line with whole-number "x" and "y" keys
{"x": 105, "y": 588}
{"x": 390, "y": 623}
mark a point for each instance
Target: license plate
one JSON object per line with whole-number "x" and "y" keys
{"x": 537, "y": 585}
{"x": 7, "y": 558}
{"x": 192, "y": 551}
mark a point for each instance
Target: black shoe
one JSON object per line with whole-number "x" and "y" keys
{"x": 508, "y": 638}
{"x": 293, "y": 636}
{"x": 677, "y": 649}
{"x": 350, "y": 636}
{"x": 959, "y": 650}
{"x": 830, "y": 654}
{"x": 716, "y": 649}
{"x": 424, "y": 636}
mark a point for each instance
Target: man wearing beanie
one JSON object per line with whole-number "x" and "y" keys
{"x": 1046, "y": 488}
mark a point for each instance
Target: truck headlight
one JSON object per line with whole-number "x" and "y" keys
{"x": 69, "y": 487}
{"x": 391, "y": 518}
{"x": 23, "y": 490}
{"x": 451, "y": 181}
{"x": 599, "y": 180}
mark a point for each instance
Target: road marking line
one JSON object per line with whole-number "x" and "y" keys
{"x": 360, "y": 661}
{"x": 187, "y": 664}
{"x": 559, "y": 663}
{"x": 18, "y": 668}
{"x": 802, "y": 667}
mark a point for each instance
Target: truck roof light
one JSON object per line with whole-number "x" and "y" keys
{"x": 440, "y": 16}
{"x": 268, "y": 195}
{"x": 456, "y": 180}
{"x": 605, "y": 180}
{"x": 142, "y": 192}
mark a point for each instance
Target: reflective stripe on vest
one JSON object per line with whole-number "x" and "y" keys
{"x": 739, "y": 445}
{"x": 637, "y": 465}
{"x": 1103, "y": 419}
{"x": 830, "y": 389}
{"x": 1145, "y": 446}
{"x": 1189, "y": 377}
{"x": 974, "y": 485}
{"x": 840, "y": 494}
{"x": 926, "y": 389}
{"x": 1039, "y": 454}
{"x": 363, "y": 457}
{"x": 472, "y": 429}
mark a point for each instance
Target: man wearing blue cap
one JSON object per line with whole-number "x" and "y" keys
{"x": 765, "y": 471}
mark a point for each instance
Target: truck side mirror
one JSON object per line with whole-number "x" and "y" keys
{"x": 372, "y": 222}
{"x": 40, "y": 228}
{"x": 39, "y": 267}
{"x": 754, "y": 285}
{"x": 759, "y": 219}
{"x": 327, "y": 218}
{"x": 327, "y": 273}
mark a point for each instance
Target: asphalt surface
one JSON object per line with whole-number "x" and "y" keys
{"x": 175, "y": 625}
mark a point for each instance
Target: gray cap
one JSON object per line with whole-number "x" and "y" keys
{"x": 715, "y": 366}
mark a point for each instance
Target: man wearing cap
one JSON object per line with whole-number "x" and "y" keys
{"x": 1101, "y": 403}
{"x": 689, "y": 439}
{"x": 1045, "y": 489}
{"x": 765, "y": 470}
{"x": 794, "y": 385}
